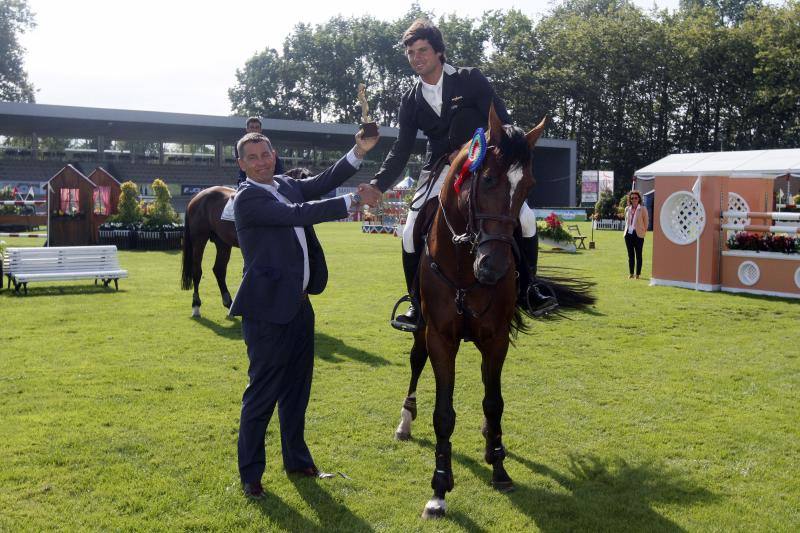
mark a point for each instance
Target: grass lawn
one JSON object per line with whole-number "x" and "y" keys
{"x": 663, "y": 409}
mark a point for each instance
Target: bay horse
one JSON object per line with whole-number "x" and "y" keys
{"x": 468, "y": 290}
{"x": 203, "y": 223}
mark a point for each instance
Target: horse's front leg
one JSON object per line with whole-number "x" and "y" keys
{"x": 408, "y": 413}
{"x": 443, "y": 360}
{"x": 494, "y": 354}
{"x": 220, "y": 270}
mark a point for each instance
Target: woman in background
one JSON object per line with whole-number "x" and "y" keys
{"x": 636, "y": 222}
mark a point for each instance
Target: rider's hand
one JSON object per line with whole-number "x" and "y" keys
{"x": 365, "y": 145}
{"x": 370, "y": 194}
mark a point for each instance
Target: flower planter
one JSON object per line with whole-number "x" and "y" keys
{"x": 132, "y": 239}
{"x": 561, "y": 245}
{"x": 765, "y": 273}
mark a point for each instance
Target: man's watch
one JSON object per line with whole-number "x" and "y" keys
{"x": 355, "y": 197}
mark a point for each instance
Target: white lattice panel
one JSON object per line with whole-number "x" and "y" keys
{"x": 737, "y": 203}
{"x": 682, "y": 218}
{"x": 749, "y": 273}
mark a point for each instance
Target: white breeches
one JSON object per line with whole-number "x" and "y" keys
{"x": 527, "y": 218}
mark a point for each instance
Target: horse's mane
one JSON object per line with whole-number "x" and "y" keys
{"x": 514, "y": 147}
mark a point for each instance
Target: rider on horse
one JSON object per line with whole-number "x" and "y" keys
{"x": 447, "y": 104}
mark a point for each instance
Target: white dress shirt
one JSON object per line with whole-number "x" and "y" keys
{"x": 433, "y": 93}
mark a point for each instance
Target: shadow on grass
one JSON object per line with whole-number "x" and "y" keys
{"x": 172, "y": 251}
{"x": 599, "y": 494}
{"x": 89, "y": 289}
{"x": 231, "y": 330}
{"x": 287, "y": 518}
{"x": 334, "y": 350}
{"x": 333, "y": 516}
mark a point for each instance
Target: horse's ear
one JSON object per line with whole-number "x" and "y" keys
{"x": 533, "y": 135}
{"x": 495, "y": 132}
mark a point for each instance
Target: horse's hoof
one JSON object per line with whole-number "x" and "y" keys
{"x": 227, "y": 301}
{"x": 435, "y": 508}
{"x": 401, "y": 435}
{"x": 195, "y": 312}
{"x": 503, "y": 486}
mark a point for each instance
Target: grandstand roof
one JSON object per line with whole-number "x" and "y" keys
{"x": 89, "y": 122}
{"x": 45, "y": 120}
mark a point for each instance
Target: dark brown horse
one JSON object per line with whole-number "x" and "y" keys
{"x": 203, "y": 223}
{"x": 468, "y": 290}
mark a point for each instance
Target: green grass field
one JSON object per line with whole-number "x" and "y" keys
{"x": 662, "y": 409}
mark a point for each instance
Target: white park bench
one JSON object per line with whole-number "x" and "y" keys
{"x": 23, "y": 265}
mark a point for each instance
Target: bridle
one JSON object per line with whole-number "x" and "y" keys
{"x": 475, "y": 234}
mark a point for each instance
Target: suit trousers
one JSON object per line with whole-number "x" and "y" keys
{"x": 634, "y": 244}
{"x": 281, "y": 367}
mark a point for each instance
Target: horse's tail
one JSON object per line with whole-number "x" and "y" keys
{"x": 572, "y": 292}
{"x": 186, "y": 271}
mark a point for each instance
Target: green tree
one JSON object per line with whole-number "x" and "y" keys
{"x": 729, "y": 12}
{"x": 606, "y": 206}
{"x": 773, "y": 119}
{"x": 15, "y": 19}
{"x": 267, "y": 86}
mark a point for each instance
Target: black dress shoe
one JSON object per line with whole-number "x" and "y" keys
{"x": 253, "y": 490}
{"x": 310, "y": 471}
{"x": 538, "y": 303}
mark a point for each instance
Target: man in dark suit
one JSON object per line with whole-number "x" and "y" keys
{"x": 448, "y": 104}
{"x": 283, "y": 263}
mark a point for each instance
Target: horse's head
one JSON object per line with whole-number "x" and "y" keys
{"x": 491, "y": 199}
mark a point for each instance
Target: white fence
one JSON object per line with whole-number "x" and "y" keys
{"x": 607, "y": 223}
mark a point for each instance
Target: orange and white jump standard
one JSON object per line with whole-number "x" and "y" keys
{"x": 700, "y": 200}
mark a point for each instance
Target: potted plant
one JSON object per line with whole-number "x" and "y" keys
{"x": 552, "y": 233}
{"x": 140, "y": 225}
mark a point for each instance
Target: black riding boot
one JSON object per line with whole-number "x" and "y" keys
{"x": 408, "y": 321}
{"x": 537, "y": 303}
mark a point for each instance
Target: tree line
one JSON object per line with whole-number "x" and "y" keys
{"x": 630, "y": 86}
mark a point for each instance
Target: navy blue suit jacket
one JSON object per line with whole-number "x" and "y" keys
{"x": 272, "y": 284}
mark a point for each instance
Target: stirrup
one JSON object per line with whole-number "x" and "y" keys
{"x": 402, "y": 326}
{"x": 544, "y": 311}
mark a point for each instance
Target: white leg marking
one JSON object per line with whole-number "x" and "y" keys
{"x": 195, "y": 311}
{"x": 436, "y": 504}
{"x": 514, "y": 177}
{"x": 405, "y": 422}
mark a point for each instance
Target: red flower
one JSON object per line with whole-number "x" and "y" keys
{"x": 553, "y": 221}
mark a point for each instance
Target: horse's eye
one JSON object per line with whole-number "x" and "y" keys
{"x": 489, "y": 180}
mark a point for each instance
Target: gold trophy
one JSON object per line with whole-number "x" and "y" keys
{"x": 369, "y": 127}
